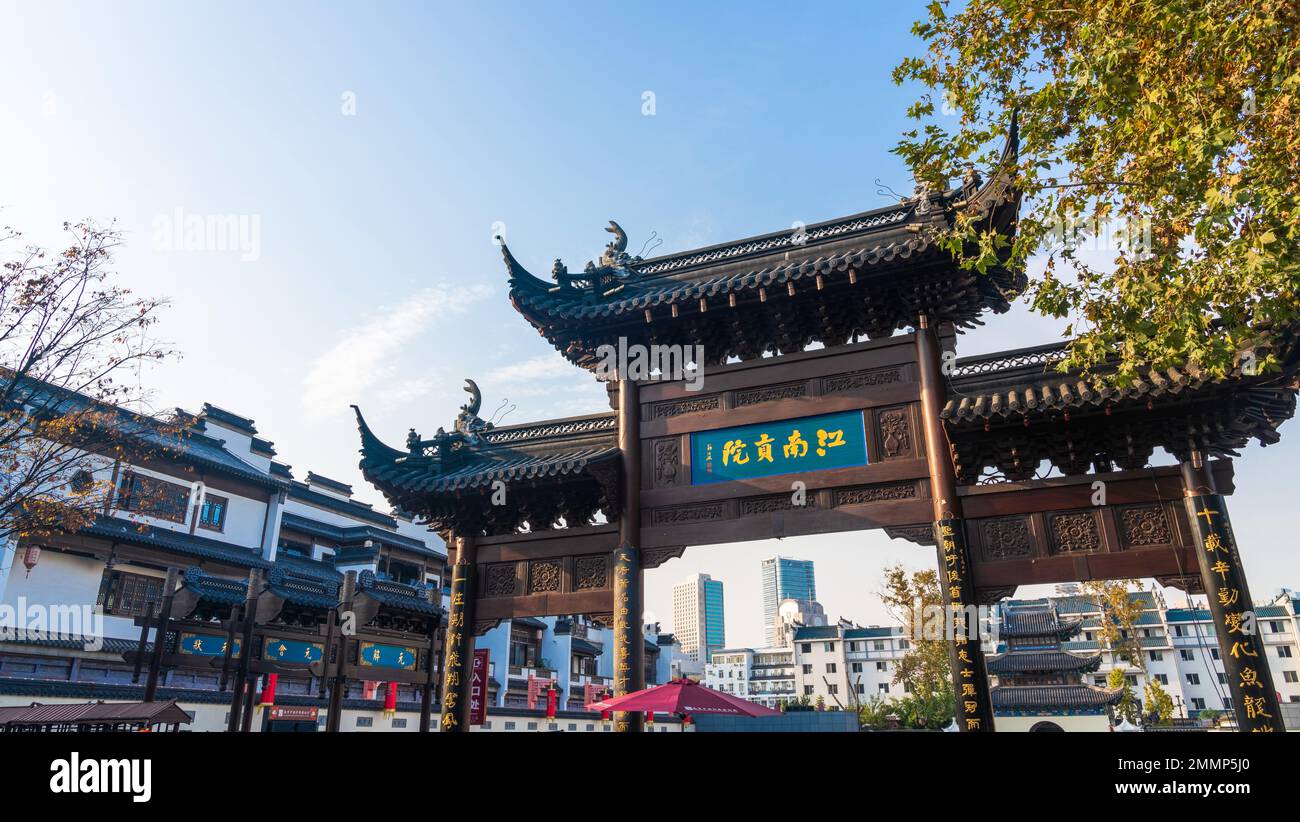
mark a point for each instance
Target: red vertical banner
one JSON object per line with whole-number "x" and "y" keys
{"x": 478, "y": 687}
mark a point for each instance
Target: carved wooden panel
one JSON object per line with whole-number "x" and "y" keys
{"x": 774, "y": 503}
{"x": 682, "y": 514}
{"x": 667, "y": 462}
{"x": 1074, "y": 532}
{"x": 861, "y": 379}
{"x": 862, "y": 494}
{"x": 768, "y": 393}
{"x": 499, "y": 580}
{"x": 688, "y": 405}
{"x": 544, "y": 576}
{"x": 1142, "y": 525}
{"x": 894, "y": 429}
{"x": 1006, "y": 537}
{"x": 590, "y": 573}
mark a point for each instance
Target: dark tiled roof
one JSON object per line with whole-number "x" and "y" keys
{"x": 529, "y": 622}
{"x": 111, "y": 645}
{"x": 872, "y": 633}
{"x": 299, "y": 491}
{"x": 1037, "y": 621}
{"x": 817, "y": 632}
{"x": 1051, "y": 697}
{"x": 304, "y": 566}
{"x": 307, "y": 590}
{"x": 93, "y": 713}
{"x": 231, "y": 420}
{"x": 318, "y": 479}
{"x": 149, "y": 536}
{"x": 349, "y": 536}
{"x": 263, "y": 447}
{"x": 582, "y": 646}
{"x": 1041, "y": 662}
{"x": 396, "y": 595}
{"x": 214, "y": 588}
{"x": 1025, "y": 382}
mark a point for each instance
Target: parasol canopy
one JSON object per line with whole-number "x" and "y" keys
{"x": 683, "y": 696}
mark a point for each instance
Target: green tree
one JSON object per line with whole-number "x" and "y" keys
{"x": 910, "y": 597}
{"x": 1120, "y": 612}
{"x": 1176, "y": 120}
{"x": 1158, "y": 701}
{"x": 1128, "y": 706}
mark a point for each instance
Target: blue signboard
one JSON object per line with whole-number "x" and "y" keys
{"x": 292, "y": 650}
{"x": 374, "y": 655}
{"x": 769, "y": 449}
{"x": 206, "y": 645}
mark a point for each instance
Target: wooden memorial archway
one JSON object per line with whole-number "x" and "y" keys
{"x": 873, "y": 430}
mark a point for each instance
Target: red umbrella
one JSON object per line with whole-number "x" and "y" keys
{"x": 683, "y": 696}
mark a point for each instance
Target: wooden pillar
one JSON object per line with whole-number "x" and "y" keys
{"x": 430, "y": 678}
{"x": 228, "y": 652}
{"x": 1254, "y": 698}
{"x": 970, "y": 681}
{"x": 460, "y": 640}
{"x": 628, "y": 640}
{"x": 160, "y": 636}
{"x": 339, "y": 683}
{"x": 245, "y": 650}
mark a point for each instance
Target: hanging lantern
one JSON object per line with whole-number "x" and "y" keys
{"x": 390, "y": 700}
{"x": 31, "y": 556}
{"x": 268, "y": 691}
{"x": 550, "y": 702}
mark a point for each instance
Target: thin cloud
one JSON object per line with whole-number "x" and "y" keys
{"x": 362, "y": 360}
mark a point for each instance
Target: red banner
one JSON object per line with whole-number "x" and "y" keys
{"x": 478, "y": 687}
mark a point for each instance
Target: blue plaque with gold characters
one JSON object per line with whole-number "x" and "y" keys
{"x": 375, "y": 655}
{"x": 768, "y": 449}
{"x": 206, "y": 645}
{"x": 292, "y": 650}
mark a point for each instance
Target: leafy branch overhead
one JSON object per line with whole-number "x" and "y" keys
{"x": 1174, "y": 124}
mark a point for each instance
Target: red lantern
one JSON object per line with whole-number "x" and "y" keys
{"x": 390, "y": 700}
{"x": 268, "y": 691}
{"x": 31, "y": 556}
{"x": 550, "y": 702}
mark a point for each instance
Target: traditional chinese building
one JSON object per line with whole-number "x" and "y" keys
{"x": 1040, "y": 685}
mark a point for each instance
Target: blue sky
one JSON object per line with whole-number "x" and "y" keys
{"x": 375, "y": 280}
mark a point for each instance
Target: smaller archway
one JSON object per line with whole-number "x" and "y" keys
{"x": 1047, "y": 727}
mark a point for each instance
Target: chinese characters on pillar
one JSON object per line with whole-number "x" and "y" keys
{"x": 1254, "y": 698}
{"x": 627, "y": 630}
{"x": 454, "y": 665}
{"x": 970, "y": 680}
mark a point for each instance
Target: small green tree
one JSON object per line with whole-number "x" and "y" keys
{"x": 1158, "y": 701}
{"x": 909, "y": 596}
{"x": 1120, "y": 612}
{"x": 1128, "y": 707}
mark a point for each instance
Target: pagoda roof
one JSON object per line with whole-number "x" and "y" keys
{"x": 1015, "y": 662}
{"x": 1038, "y": 620}
{"x": 566, "y": 467}
{"x": 1052, "y": 697}
{"x": 1019, "y": 397}
{"x": 865, "y": 274}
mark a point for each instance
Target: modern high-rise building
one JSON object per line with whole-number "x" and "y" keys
{"x": 784, "y": 578}
{"x": 698, "y": 621}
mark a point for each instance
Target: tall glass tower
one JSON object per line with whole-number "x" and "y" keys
{"x": 784, "y": 578}
{"x": 698, "y": 620}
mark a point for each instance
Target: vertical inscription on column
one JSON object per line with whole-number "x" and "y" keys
{"x": 453, "y": 666}
{"x": 970, "y": 679}
{"x": 1254, "y": 698}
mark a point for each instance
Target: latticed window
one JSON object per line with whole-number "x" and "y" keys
{"x": 154, "y": 497}
{"x": 132, "y": 595}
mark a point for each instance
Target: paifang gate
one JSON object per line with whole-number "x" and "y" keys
{"x": 878, "y": 427}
